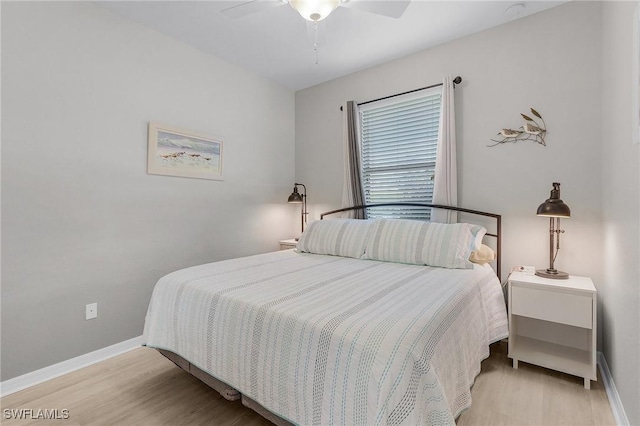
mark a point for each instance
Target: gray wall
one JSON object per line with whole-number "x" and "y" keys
{"x": 82, "y": 222}
{"x": 620, "y": 289}
{"x": 572, "y": 63}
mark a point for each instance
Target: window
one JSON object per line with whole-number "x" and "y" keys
{"x": 399, "y": 139}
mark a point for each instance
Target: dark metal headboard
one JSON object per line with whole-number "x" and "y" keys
{"x": 497, "y": 217}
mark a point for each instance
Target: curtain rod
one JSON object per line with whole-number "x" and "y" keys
{"x": 456, "y": 80}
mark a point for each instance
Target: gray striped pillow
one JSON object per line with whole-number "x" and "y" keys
{"x": 336, "y": 237}
{"x": 422, "y": 243}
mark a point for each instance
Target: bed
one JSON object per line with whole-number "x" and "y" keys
{"x": 353, "y": 327}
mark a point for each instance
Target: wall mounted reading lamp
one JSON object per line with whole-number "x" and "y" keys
{"x": 554, "y": 208}
{"x": 297, "y": 198}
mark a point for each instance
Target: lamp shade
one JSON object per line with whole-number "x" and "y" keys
{"x": 314, "y": 10}
{"x": 554, "y": 206}
{"x": 295, "y": 196}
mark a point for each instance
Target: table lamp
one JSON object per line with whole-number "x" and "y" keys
{"x": 553, "y": 208}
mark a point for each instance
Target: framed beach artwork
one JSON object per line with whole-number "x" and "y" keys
{"x": 176, "y": 152}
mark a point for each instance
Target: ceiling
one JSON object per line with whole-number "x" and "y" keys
{"x": 277, "y": 43}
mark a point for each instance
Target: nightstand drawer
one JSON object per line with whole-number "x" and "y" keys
{"x": 565, "y": 308}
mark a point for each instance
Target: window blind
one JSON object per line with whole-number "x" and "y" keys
{"x": 399, "y": 139}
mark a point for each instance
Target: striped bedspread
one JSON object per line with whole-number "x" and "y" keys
{"x": 324, "y": 340}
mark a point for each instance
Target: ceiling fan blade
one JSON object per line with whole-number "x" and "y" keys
{"x": 391, "y": 8}
{"x": 250, "y": 7}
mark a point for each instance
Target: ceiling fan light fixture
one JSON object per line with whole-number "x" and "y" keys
{"x": 314, "y": 10}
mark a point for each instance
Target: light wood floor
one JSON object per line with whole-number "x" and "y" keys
{"x": 141, "y": 387}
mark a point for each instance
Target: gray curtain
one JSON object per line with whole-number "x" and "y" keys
{"x": 352, "y": 193}
{"x": 445, "y": 189}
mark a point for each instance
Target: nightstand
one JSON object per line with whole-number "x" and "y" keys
{"x": 288, "y": 244}
{"x": 552, "y": 323}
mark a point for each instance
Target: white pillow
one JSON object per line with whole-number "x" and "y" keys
{"x": 477, "y": 245}
{"x": 336, "y": 237}
{"x": 422, "y": 243}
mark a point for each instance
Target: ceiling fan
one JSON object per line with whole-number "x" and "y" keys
{"x": 317, "y": 10}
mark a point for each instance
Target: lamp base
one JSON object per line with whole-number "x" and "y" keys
{"x": 552, "y": 273}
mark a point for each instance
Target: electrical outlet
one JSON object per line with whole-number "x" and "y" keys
{"x": 92, "y": 311}
{"x": 531, "y": 270}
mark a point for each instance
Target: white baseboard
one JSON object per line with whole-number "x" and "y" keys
{"x": 612, "y": 393}
{"x": 56, "y": 370}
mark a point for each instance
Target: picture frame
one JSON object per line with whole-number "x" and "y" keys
{"x": 182, "y": 153}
